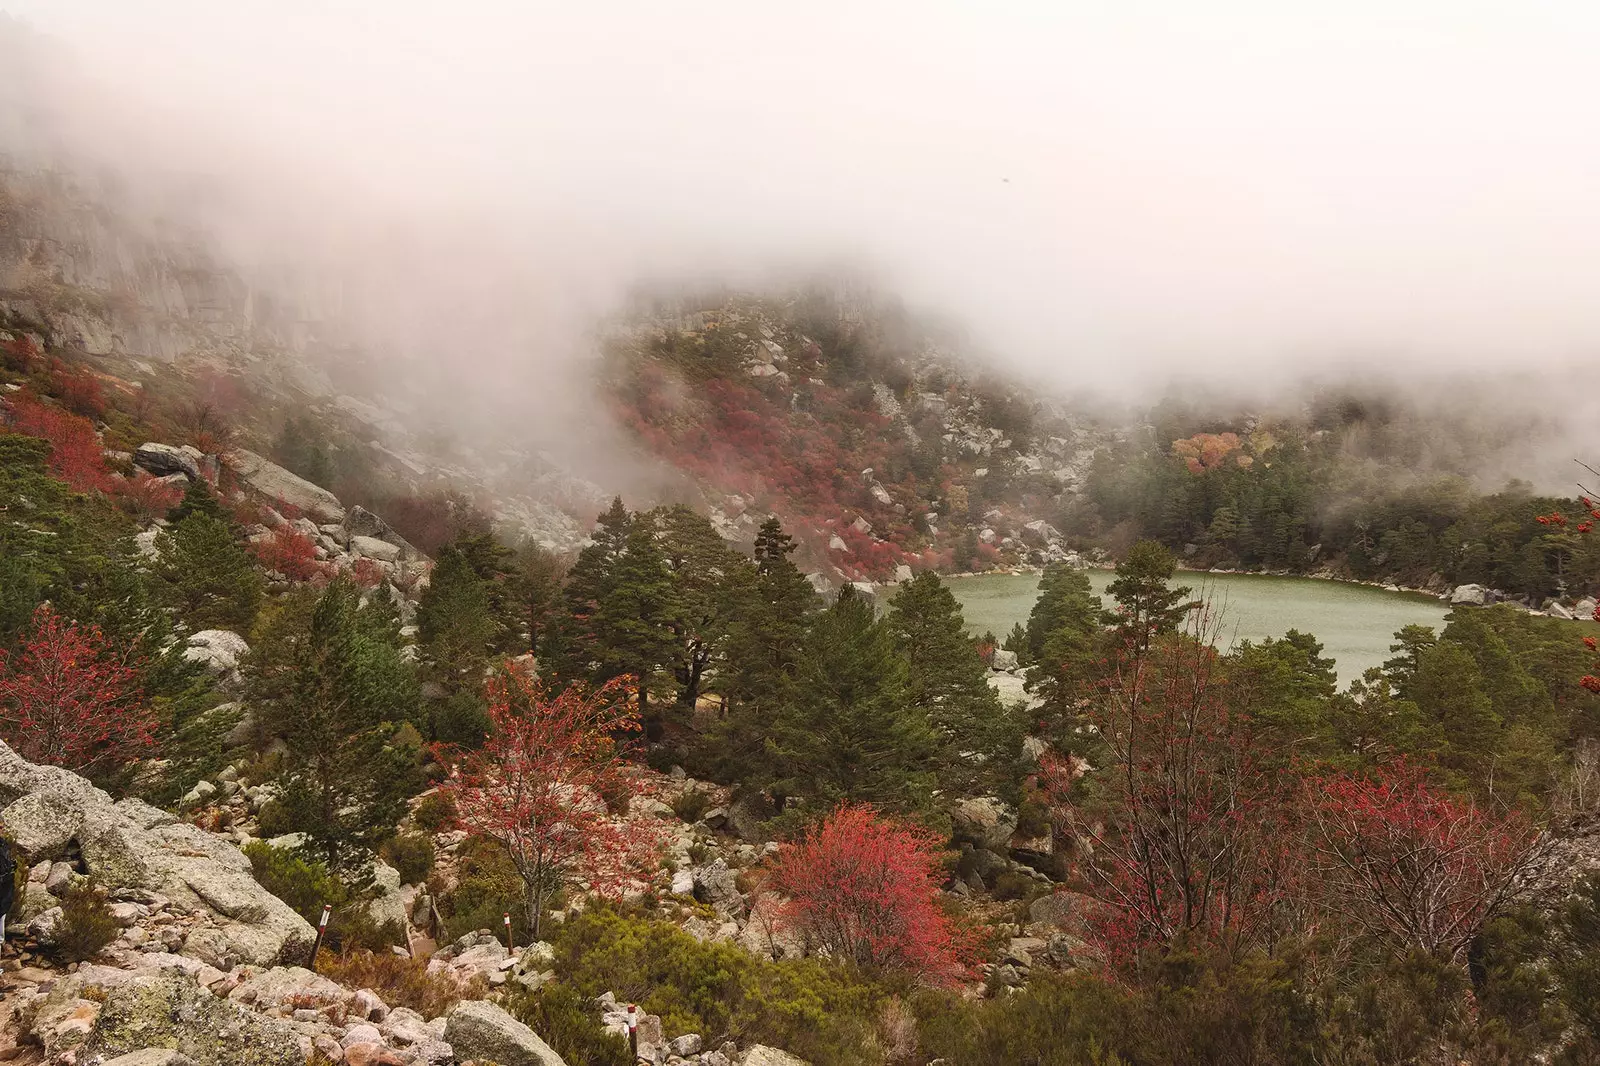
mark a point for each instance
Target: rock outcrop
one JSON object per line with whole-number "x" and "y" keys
{"x": 143, "y": 854}
{"x": 477, "y": 1029}
{"x": 168, "y": 1009}
{"x": 276, "y": 485}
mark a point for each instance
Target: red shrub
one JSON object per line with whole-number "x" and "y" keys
{"x": 145, "y": 497}
{"x": 290, "y": 553}
{"x": 865, "y": 887}
{"x": 76, "y": 456}
{"x": 1413, "y": 864}
{"x": 78, "y": 390}
{"x": 537, "y": 786}
{"x": 69, "y": 698}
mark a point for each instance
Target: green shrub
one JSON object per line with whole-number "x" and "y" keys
{"x": 487, "y": 887}
{"x": 691, "y": 805}
{"x": 399, "y": 981}
{"x": 86, "y": 925}
{"x": 434, "y": 813}
{"x": 818, "y": 1010}
{"x": 274, "y": 819}
{"x": 1011, "y": 885}
{"x": 304, "y": 884}
{"x": 570, "y": 1024}
{"x": 353, "y": 928}
{"x": 411, "y": 854}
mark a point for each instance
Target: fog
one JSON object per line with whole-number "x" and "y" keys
{"x": 1106, "y": 195}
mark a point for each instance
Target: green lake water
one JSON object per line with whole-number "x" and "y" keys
{"x": 1355, "y": 623}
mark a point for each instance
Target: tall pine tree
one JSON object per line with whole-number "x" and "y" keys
{"x": 946, "y": 684}
{"x": 329, "y": 678}
{"x": 1063, "y": 641}
{"x": 1147, "y": 604}
{"x": 848, "y": 732}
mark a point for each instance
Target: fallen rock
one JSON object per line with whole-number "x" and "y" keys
{"x": 151, "y": 1056}
{"x": 762, "y": 1055}
{"x": 218, "y": 650}
{"x": 373, "y": 548}
{"x": 279, "y": 486}
{"x": 41, "y": 824}
{"x": 476, "y": 1029}
{"x": 1471, "y": 596}
{"x": 986, "y": 821}
{"x": 1003, "y": 660}
{"x": 168, "y": 1009}
{"x": 164, "y": 459}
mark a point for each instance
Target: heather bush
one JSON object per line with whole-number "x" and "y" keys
{"x": 411, "y": 854}
{"x": 86, "y": 925}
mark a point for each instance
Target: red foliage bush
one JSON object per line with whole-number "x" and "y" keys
{"x": 76, "y": 456}
{"x": 143, "y": 496}
{"x": 538, "y": 786}
{"x": 78, "y": 389}
{"x": 289, "y": 552}
{"x": 1413, "y": 864}
{"x": 68, "y": 697}
{"x": 866, "y": 887}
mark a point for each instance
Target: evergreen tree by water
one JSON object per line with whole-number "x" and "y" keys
{"x": 946, "y": 685}
{"x": 848, "y": 732}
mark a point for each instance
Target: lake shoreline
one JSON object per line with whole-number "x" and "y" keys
{"x": 1321, "y": 576}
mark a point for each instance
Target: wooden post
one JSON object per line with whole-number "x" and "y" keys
{"x": 509, "y": 946}
{"x": 322, "y": 929}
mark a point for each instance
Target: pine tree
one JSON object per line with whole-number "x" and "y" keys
{"x": 946, "y": 682}
{"x": 329, "y": 678}
{"x": 1450, "y": 692}
{"x": 848, "y": 732}
{"x": 772, "y": 614}
{"x": 456, "y": 625}
{"x": 569, "y": 648}
{"x": 632, "y": 623}
{"x": 709, "y": 580}
{"x": 1062, "y": 640}
{"x": 215, "y": 580}
{"x": 1146, "y": 604}
{"x": 197, "y": 499}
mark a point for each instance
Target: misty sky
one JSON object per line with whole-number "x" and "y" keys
{"x": 1103, "y": 191}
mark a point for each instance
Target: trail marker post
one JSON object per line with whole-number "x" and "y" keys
{"x": 509, "y": 946}
{"x": 322, "y": 929}
{"x": 633, "y": 1030}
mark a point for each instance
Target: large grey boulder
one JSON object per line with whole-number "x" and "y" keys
{"x": 164, "y": 459}
{"x": 1471, "y": 596}
{"x": 278, "y": 486}
{"x": 218, "y": 650}
{"x": 1004, "y": 660}
{"x": 41, "y": 824}
{"x": 1583, "y": 610}
{"x": 131, "y": 845}
{"x": 373, "y": 548}
{"x": 985, "y": 821}
{"x": 762, "y": 1055}
{"x": 167, "y": 1008}
{"x": 476, "y": 1029}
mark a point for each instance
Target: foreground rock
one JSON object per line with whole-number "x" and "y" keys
{"x": 476, "y": 1029}
{"x": 168, "y": 1009}
{"x": 140, "y": 853}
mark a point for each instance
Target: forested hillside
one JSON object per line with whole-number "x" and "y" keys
{"x": 879, "y": 442}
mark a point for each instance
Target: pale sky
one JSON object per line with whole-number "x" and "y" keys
{"x": 1105, "y": 192}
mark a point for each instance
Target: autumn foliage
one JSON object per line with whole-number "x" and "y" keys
{"x": 75, "y": 452}
{"x": 1412, "y": 864}
{"x": 69, "y": 698}
{"x": 865, "y": 887}
{"x": 289, "y": 552}
{"x": 1191, "y": 838}
{"x": 538, "y": 785}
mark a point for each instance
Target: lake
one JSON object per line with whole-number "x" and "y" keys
{"x": 1355, "y": 623}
